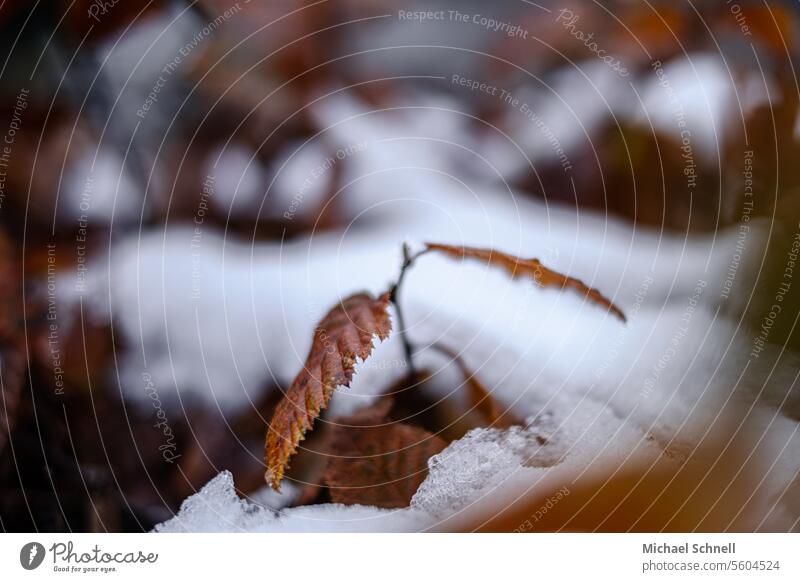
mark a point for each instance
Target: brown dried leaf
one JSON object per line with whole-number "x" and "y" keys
{"x": 344, "y": 335}
{"x": 311, "y": 464}
{"x": 381, "y": 465}
{"x": 531, "y": 268}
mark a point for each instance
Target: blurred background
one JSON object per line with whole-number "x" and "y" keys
{"x": 149, "y": 142}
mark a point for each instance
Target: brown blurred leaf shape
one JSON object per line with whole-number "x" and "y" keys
{"x": 719, "y": 487}
{"x": 381, "y": 463}
{"x": 344, "y": 334}
{"x": 531, "y": 268}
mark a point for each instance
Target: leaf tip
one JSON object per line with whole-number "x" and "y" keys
{"x": 273, "y": 479}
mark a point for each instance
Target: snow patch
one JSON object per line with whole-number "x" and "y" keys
{"x": 216, "y": 507}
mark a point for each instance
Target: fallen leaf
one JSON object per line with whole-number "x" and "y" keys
{"x": 532, "y": 268}
{"x": 380, "y": 464}
{"x": 345, "y": 334}
{"x": 313, "y": 460}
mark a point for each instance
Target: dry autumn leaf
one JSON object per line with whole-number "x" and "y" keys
{"x": 532, "y": 268}
{"x": 344, "y": 334}
{"x": 382, "y": 464}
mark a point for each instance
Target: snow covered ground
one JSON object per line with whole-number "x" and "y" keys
{"x": 600, "y": 389}
{"x": 216, "y": 319}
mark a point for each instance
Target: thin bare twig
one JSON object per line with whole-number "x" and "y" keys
{"x": 394, "y": 294}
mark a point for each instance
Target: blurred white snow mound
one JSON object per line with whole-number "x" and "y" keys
{"x": 567, "y": 439}
{"x": 221, "y": 319}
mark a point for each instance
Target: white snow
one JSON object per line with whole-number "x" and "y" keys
{"x": 303, "y": 175}
{"x": 239, "y": 179}
{"x": 97, "y": 188}
{"x": 217, "y": 508}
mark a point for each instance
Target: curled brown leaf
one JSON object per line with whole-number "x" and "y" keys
{"x": 531, "y": 268}
{"x": 344, "y": 335}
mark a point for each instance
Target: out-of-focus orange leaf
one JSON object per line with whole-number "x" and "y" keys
{"x": 381, "y": 463}
{"x": 531, "y": 268}
{"x": 771, "y": 24}
{"x": 345, "y": 334}
{"x": 655, "y": 29}
{"x": 718, "y": 487}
